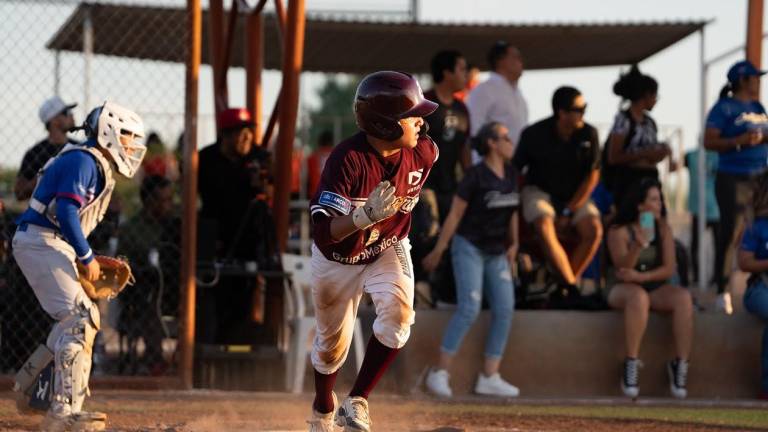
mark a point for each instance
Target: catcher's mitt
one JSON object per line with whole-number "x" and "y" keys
{"x": 114, "y": 276}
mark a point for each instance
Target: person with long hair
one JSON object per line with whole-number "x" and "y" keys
{"x": 633, "y": 146}
{"x": 484, "y": 219}
{"x": 736, "y": 128}
{"x": 642, "y": 254}
{"x": 753, "y": 258}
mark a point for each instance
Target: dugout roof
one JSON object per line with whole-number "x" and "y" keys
{"x": 364, "y": 44}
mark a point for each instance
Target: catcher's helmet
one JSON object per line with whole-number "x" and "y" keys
{"x": 385, "y": 97}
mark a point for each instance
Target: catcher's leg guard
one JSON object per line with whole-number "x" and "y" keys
{"x": 33, "y": 383}
{"x": 72, "y": 339}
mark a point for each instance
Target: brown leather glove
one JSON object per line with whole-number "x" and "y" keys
{"x": 115, "y": 275}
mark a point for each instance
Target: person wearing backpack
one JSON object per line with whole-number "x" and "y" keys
{"x": 633, "y": 149}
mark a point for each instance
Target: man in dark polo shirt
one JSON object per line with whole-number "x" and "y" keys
{"x": 448, "y": 127}
{"x": 57, "y": 118}
{"x": 560, "y": 158}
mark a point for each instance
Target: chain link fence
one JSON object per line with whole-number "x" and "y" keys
{"x": 138, "y": 334}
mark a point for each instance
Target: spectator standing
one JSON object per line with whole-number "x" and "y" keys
{"x": 232, "y": 195}
{"x": 736, "y": 129}
{"x": 560, "y": 158}
{"x": 473, "y": 79}
{"x": 642, "y": 255}
{"x": 316, "y": 161}
{"x": 753, "y": 258}
{"x": 448, "y": 126}
{"x": 57, "y": 117}
{"x": 484, "y": 218}
{"x": 499, "y": 97}
{"x": 633, "y": 148}
{"x": 712, "y": 212}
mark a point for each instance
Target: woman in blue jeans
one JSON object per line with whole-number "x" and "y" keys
{"x": 483, "y": 217}
{"x": 753, "y": 258}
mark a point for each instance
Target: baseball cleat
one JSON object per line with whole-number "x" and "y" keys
{"x": 78, "y": 422}
{"x": 353, "y": 415}
{"x": 324, "y": 422}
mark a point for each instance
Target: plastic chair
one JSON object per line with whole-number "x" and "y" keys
{"x": 302, "y": 323}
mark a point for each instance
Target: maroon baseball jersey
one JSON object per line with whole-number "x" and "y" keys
{"x": 352, "y": 171}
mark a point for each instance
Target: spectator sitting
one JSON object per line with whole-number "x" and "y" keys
{"x": 499, "y": 97}
{"x": 448, "y": 127}
{"x": 560, "y": 159}
{"x": 484, "y": 217}
{"x": 316, "y": 161}
{"x": 58, "y": 120}
{"x": 753, "y": 258}
{"x": 712, "y": 212}
{"x": 641, "y": 249}
{"x": 737, "y": 130}
{"x": 150, "y": 241}
{"x": 633, "y": 148}
{"x": 159, "y": 161}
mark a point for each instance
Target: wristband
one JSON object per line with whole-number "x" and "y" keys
{"x": 360, "y": 218}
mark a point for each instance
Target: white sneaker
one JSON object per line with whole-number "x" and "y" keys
{"x": 677, "y": 370}
{"x": 437, "y": 383}
{"x": 494, "y": 385}
{"x": 323, "y": 422}
{"x": 353, "y": 415}
{"x": 630, "y": 377}
{"x": 723, "y": 303}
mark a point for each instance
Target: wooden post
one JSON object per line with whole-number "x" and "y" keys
{"x": 254, "y": 65}
{"x": 216, "y": 48}
{"x": 289, "y": 105}
{"x": 189, "y": 197}
{"x": 755, "y": 32}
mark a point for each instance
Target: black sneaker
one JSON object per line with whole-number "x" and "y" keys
{"x": 630, "y": 377}
{"x": 677, "y": 370}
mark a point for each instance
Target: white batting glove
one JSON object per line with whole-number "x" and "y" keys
{"x": 381, "y": 204}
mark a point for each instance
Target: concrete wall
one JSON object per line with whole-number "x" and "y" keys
{"x": 579, "y": 354}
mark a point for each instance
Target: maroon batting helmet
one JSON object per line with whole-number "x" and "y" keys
{"x": 385, "y": 97}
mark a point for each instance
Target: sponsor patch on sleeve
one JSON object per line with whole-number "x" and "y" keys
{"x": 335, "y": 201}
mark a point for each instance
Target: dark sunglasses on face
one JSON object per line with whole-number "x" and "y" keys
{"x": 580, "y": 110}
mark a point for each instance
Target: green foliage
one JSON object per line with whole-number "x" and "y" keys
{"x": 335, "y": 110}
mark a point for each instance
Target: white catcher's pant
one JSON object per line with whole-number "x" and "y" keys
{"x": 336, "y": 291}
{"x": 48, "y": 263}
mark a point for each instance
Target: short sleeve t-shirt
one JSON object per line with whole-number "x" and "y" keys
{"x": 449, "y": 128}
{"x": 490, "y": 203}
{"x": 732, "y": 118}
{"x": 644, "y": 134}
{"x": 755, "y": 238}
{"x": 553, "y": 165}
{"x": 352, "y": 171}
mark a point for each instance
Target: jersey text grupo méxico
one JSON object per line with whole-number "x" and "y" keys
{"x": 352, "y": 171}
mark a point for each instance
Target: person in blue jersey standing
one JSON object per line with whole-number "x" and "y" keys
{"x": 71, "y": 196}
{"x": 736, "y": 129}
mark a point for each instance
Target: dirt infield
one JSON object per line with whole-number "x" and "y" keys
{"x": 208, "y": 411}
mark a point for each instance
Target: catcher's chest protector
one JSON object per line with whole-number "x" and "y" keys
{"x": 92, "y": 213}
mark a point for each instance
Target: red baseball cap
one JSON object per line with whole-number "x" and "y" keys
{"x": 232, "y": 118}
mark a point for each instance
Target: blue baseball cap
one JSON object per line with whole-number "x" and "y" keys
{"x": 742, "y": 69}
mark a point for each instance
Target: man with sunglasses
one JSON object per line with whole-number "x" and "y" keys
{"x": 57, "y": 117}
{"x": 560, "y": 158}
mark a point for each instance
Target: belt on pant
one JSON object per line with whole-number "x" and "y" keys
{"x": 32, "y": 228}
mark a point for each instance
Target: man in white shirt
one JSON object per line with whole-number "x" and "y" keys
{"x": 499, "y": 98}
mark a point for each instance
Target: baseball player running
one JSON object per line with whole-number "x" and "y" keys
{"x": 361, "y": 218}
{"x": 71, "y": 196}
